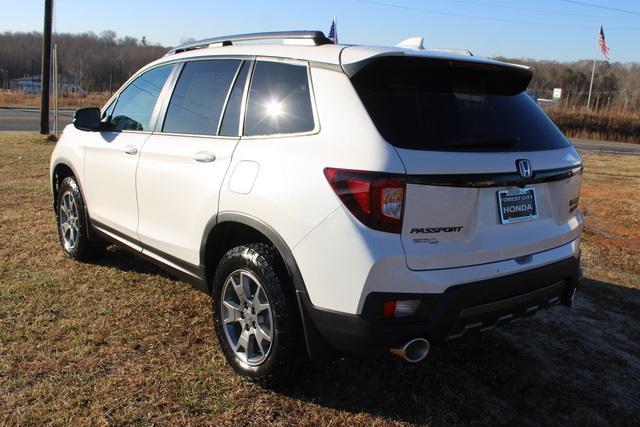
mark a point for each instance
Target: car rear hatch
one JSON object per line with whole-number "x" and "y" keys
{"x": 490, "y": 177}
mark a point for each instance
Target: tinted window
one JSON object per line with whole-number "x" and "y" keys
{"x": 279, "y": 100}
{"x": 197, "y": 101}
{"x": 231, "y": 118}
{"x": 444, "y": 105}
{"x": 136, "y": 102}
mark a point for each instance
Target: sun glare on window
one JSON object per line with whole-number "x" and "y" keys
{"x": 274, "y": 108}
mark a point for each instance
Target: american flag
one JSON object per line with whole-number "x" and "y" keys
{"x": 333, "y": 32}
{"x": 603, "y": 43}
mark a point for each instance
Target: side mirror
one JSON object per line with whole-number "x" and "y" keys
{"x": 87, "y": 119}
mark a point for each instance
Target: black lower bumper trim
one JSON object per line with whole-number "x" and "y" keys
{"x": 461, "y": 309}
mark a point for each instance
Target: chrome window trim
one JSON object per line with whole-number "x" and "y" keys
{"x": 165, "y": 96}
{"x": 226, "y": 98}
{"x": 245, "y": 98}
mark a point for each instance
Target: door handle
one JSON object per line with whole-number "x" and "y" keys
{"x": 204, "y": 157}
{"x": 130, "y": 149}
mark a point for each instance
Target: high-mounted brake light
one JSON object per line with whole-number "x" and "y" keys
{"x": 376, "y": 199}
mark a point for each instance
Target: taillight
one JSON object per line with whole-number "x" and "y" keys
{"x": 376, "y": 199}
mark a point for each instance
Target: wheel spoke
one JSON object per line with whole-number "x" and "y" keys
{"x": 243, "y": 342}
{"x": 257, "y": 304}
{"x": 262, "y": 334}
{"x": 233, "y": 313}
{"x": 239, "y": 289}
{"x": 259, "y": 343}
{"x": 246, "y": 285}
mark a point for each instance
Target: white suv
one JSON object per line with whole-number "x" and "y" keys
{"x": 331, "y": 199}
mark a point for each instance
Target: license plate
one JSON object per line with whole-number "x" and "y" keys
{"x": 517, "y": 205}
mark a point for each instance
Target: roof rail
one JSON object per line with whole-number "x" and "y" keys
{"x": 464, "y": 52}
{"x": 316, "y": 37}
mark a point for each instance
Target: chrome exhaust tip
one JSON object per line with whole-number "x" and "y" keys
{"x": 413, "y": 351}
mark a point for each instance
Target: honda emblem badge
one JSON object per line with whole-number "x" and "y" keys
{"x": 524, "y": 167}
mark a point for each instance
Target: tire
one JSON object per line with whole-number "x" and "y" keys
{"x": 73, "y": 230}
{"x": 270, "y": 311}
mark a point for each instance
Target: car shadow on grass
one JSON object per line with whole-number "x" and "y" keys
{"x": 123, "y": 260}
{"x": 577, "y": 366}
{"x": 569, "y": 366}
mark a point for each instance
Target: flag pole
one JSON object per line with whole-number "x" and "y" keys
{"x": 593, "y": 72}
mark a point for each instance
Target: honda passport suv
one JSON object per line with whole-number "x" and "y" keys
{"x": 331, "y": 199}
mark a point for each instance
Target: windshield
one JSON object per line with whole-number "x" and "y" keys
{"x": 437, "y": 104}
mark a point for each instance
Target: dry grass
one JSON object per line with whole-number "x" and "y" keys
{"x": 605, "y": 125}
{"x": 119, "y": 342}
{"x": 16, "y": 99}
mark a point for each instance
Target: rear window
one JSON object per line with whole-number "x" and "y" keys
{"x": 436, "y": 104}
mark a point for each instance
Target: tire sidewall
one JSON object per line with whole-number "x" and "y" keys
{"x": 248, "y": 258}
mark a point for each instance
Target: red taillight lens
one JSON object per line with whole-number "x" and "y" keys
{"x": 389, "y": 309}
{"x": 376, "y": 199}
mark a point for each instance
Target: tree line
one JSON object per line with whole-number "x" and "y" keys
{"x": 616, "y": 85}
{"x": 97, "y": 62}
{"x": 100, "y": 62}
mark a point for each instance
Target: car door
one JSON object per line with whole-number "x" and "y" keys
{"x": 111, "y": 156}
{"x": 183, "y": 164}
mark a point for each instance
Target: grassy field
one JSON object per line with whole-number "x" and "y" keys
{"x": 120, "y": 342}
{"x": 17, "y": 99}
{"x": 621, "y": 126}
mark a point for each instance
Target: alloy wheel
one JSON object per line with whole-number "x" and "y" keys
{"x": 69, "y": 221}
{"x": 247, "y": 317}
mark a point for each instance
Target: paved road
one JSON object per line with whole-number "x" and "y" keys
{"x": 606, "y": 147}
{"x": 29, "y": 120}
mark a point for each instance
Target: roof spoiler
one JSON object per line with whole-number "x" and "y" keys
{"x": 500, "y": 77}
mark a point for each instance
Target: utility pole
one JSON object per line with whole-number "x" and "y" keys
{"x": 32, "y": 89}
{"x": 46, "y": 68}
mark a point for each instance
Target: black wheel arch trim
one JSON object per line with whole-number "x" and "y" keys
{"x": 266, "y": 230}
{"x": 317, "y": 347}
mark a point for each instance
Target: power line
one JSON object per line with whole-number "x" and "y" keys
{"x": 525, "y": 9}
{"x": 484, "y": 18}
{"x": 597, "y": 6}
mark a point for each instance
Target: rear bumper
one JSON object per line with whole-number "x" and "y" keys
{"x": 459, "y": 310}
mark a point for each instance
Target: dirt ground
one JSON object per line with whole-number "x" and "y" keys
{"x": 120, "y": 342}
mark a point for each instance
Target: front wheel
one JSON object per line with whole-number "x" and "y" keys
{"x": 73, "y": 229}
{"x": 254, "y": 312}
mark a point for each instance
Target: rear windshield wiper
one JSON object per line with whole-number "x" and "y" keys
{"x": 482, "y": 142}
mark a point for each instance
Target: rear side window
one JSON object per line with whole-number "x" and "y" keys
{"x": 279, "y": 100}
{"x": 136, "y": 102}
{"x": 433, "y": 104}
{"x": 199, "y": 96}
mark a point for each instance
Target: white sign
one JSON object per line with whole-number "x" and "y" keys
{"x": 557, "y": 93}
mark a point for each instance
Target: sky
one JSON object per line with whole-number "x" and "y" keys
{"x": 562, "y": 30}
